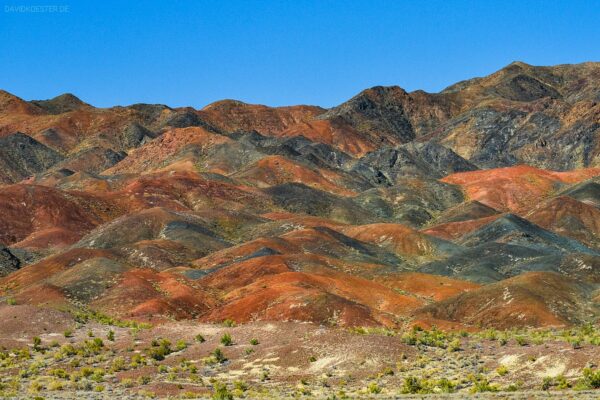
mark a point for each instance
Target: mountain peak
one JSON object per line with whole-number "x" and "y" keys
{"x": 61, "y": 104}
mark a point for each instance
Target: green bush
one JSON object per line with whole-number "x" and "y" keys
{"x": 481, "y": 384}
{"x": 220, "y": 392}
{"x": 591, "y": 379}
{"x": 226, "y": 340}
{"x": 502, "y": 370}
{"x": 546, "y": 383}
{"x": 180, "y": 345}
{"x": 219, "y": 356}
{"x": 160, "y": 349}
{"x": 229, "y": 323}
{"x": 521, "y": 340}
{"x": 373, "y": 388}
{"x": 411, "y": 385}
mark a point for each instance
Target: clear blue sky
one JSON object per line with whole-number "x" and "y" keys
{"x": 279, "y": 52}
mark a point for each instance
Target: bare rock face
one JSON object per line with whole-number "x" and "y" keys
{"x": 429, "y": 160}
{"x": 22, "y": 156}
{"x": 8, "y": 262}
{"x": 378, "y": 111}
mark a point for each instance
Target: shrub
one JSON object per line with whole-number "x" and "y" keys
{"x": 127, "y": 382}
{"x": 59, "y": 373}
{"x": 37, "y": 342}
{"x": 163, "y": 369}
{"x": 118, "y": 364}
{"x": 240, "y": 385}
{"x": 445, "y": 386}
{"x": 219, "y": 356}
{"x": 200, "y": 339}
{"x": 591, "y": 379}
{"x": 229, "y": 323}
{"x": 411, "y": 385}
{"x": 55, "y": 385}
{"x": 180, "y": 345}
{"x": 454, "y": 345}
{"x": 511, "y": 388}
{"x": 575, "y": 342}
{"x": 373, "y": 388}
{"x": 265, "y": 376}
{"x": 521, "y": 340}
{"x": 491, "y": 334}
{"x": 160, "y": 349}
{"x": 561, "y": 382}
{"x": 91, "y": 347}
{"x": 409, "y": 339}
{"x": 481, "y": 384}
{"x": 226, "y": 340}
{"x": 546, "y": 383}
{"x": 254, "y": 342}
{"x": 68, "y": 333}
{"x": 111, "y": 335}
{"x": 220, "y": 392}
{"x": 502, "y": 370}
{"x": 11, "y": 302}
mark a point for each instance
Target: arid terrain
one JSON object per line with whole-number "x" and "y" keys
{"x": 399, "y": 244}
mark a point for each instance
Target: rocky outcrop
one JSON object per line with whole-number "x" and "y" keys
{"x": 21, "y": 156}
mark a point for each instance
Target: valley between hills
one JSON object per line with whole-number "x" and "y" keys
{"x": 399, "y": 244}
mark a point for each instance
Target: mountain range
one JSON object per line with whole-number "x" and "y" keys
{"x": 478, "y": 206}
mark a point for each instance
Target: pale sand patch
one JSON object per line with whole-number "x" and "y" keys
{"x": 325, "y": 362}
{"x": 510, "y": 360}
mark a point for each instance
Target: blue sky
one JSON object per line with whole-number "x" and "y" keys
{"x": 278, "y": 52}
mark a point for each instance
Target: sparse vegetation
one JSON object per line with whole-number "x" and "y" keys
{"x": 413, "y": 385}
{"x": 89, "y": 365}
